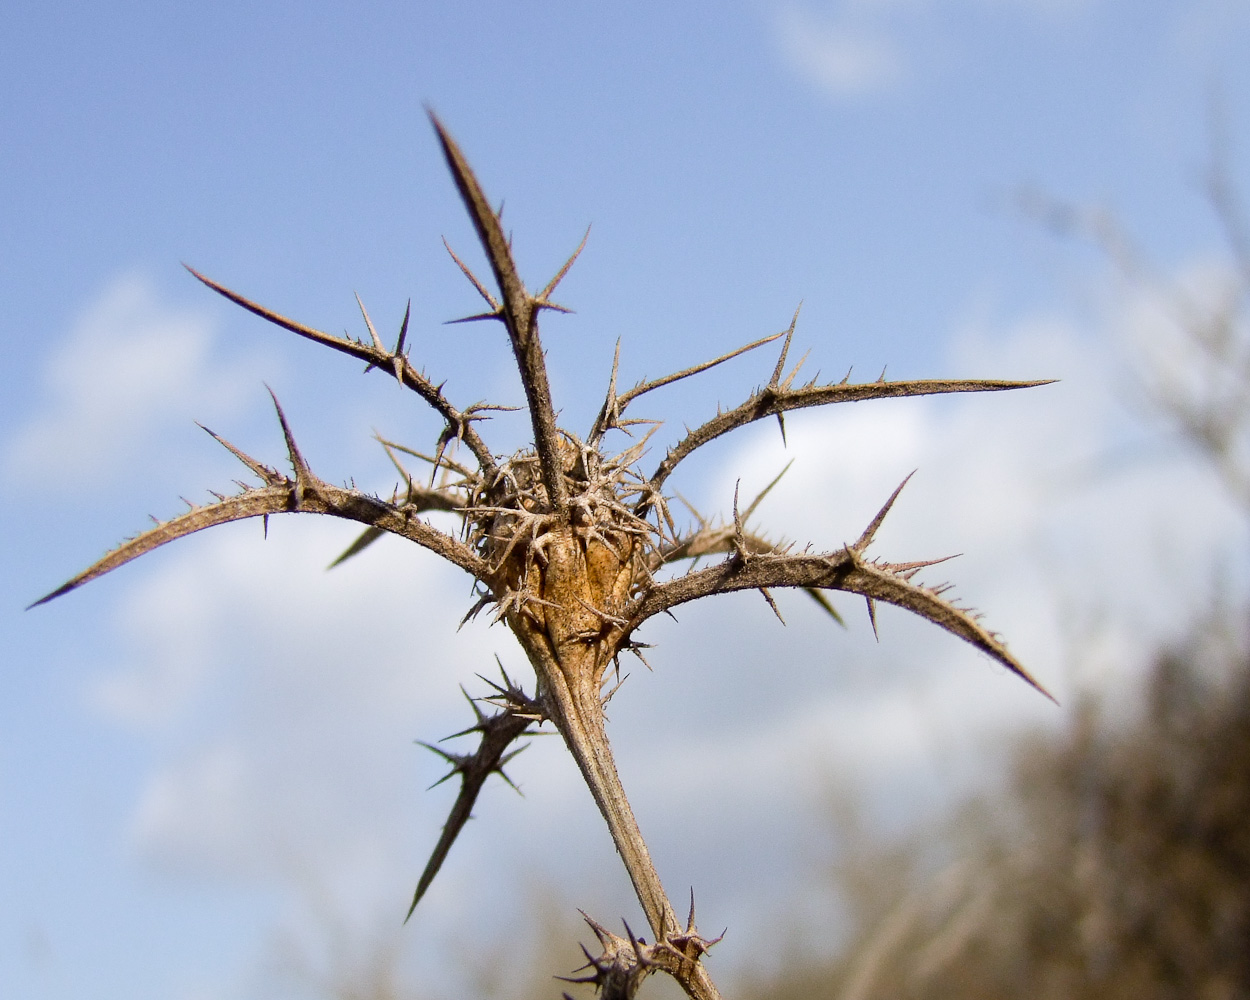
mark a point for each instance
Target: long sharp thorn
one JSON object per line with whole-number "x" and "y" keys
{"x": 297, "y": 460}
{"x": 872, "y": 617}
{"x": 551, "y": 285}
{"x": 390, "y": 453}
{"x": 762, "y": 493}
{"x": 785, "y": 383}
{"x": 637, "y": 946}
{"x": 475, "y": 318}
{"x": 450, "y": 758}
{"x": 485, "y": 219}
{"x": 870, "y": 532}
{"x": 450, "y": 774}
{"x": 444, "y": 440}
{"x": 475, "y": 728}
{"x": 373, "y": 334}
{"x": 265, "y": 523}
{"x": 504, "y": 760}
{"x": 785, "y": 349}
{"x": 474, "y": 611}
{"x": 366, "y": 538}
{"x": 601, "y": 932}
{"x": 303, "y": 475}
{"x": 616, "y": 363}
{"x": 690, "y": 919}
{"x": 461, "y": 810}
{"x": 481, "y": 289}
{"x": 266, "y": 474}
{"x": 825, "y": 604}
{"x": 737, "y": 519}
{"x": 644, "y": 387}
{"x": 477, "y": 710}
{"x": 781, "y": 422}
{"x": 262, "y": 311}
{"x": 403, "y": 329}
{"x": 772, "y": 604}
{"x": 919, "y": 564}
{"x": 610, "y": 402}
{"x": 507, "y": 681}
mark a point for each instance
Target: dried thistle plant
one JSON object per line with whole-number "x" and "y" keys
{"x": 573, "y": 547}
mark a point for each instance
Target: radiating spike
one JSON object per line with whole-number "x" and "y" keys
{"x": 451, "y": 758}
{"x": 919, "y": 564}
{"x": 870, "y": 532}
{"x": 477, "y": 711}
{"x": 825, "y": 604}
{"x": 772, "y": 604}
{"x": 403, "y": 330}
{"x": 737, "y": 520}
{"x": 785, "y": 349}
{"x": 475, "y": 318}
{"x": 765, "y": 491}
{"x": 609, "y": 402}
{"x": 485, "y": 220}
{"x": 645, "y": 387}
{"x": 304, "y": 479}
{"x": 541, "y": 298}
{"x": 481, "y": 289}
{"x": 503, "y": 774}
{"x": 373, "y": 334}
{"x": 267, "y": 475}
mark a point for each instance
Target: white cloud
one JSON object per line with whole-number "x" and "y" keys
{"x": 129, "y": 365}
{"x": 277, "y": 664}
{"x": 841, "y": 59}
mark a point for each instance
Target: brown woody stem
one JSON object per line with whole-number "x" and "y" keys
{"x": 577, "y": 712}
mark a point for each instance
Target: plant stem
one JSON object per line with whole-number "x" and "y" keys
{"x": 576, "y": 710}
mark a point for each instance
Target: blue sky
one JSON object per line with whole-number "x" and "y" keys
{"x": 208, "y": 754}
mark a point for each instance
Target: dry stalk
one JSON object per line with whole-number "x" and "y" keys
{"x": 565, "y": 542}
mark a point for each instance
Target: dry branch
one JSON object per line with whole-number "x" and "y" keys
{"x": 396, "y": 363}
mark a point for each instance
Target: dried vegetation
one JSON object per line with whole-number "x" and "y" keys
{"x": 572, "y": 545}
